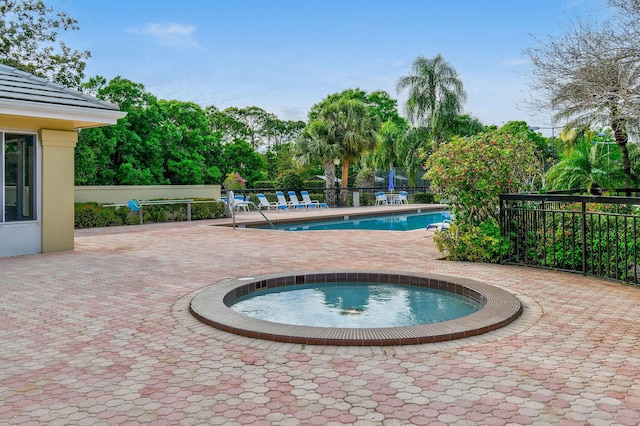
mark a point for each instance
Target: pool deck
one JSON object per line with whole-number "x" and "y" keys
{"x": 103, "y": 335}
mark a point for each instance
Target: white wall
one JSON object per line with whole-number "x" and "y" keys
{"x": 122, "y": 193}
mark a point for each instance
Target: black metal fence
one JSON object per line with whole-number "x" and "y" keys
{"x": 593, "y": 235}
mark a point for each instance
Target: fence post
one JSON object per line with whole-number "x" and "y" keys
{"x": 584, "y": 237}
{"x": 502, "y": 224}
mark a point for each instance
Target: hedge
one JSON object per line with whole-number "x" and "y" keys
{"x": 95, "y": 215}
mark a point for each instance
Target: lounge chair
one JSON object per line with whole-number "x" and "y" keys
{"x": 294, "y": 202}
{"x": 239, "y": 202}
{"x": 381, "y": 198}
{"x": 282, "y": 203}
{"x": 403, "y": 197}
{"x": 307, "y": 201}
{"x": 438, "y": 226}
{"x": 264, "y": 203}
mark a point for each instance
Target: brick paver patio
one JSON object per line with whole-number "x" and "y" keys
{"x": 102, "y": 335}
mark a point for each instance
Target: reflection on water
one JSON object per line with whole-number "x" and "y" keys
{"x": 355, "y": 305}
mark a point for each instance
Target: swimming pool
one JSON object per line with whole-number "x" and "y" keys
{"x": 395, "y": 222}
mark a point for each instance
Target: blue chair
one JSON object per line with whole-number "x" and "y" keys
{"x": 307, "y": 201}
{"x": 381, "y": 199}
{"x": 264, "y": 203}
{"x": 403, "y": 197}
{"x": 282, "y": 201}
{"x": 294, "y": 202}
{"x": 239, "y": 202}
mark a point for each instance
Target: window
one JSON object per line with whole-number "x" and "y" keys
{"x": 18, "y": 168}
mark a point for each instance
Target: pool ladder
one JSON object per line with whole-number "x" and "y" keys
{"x": 258, "y": 210}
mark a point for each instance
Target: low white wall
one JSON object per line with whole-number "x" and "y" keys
{"x": 122, "y": 193}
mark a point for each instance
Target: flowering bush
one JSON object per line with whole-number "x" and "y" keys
{"x": 469, "y": 174}
{"x": 234, "y": 181}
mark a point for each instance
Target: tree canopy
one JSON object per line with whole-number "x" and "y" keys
{"x": 158, "y": 142}
{"x": 343, "y": 129}
{"x": 29, "y": 41}
{"x": 590, "y": 76}
{"x": 436, "y": 93}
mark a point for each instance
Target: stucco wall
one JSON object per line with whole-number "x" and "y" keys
{"x": 57, "y": 189}
{"x": 123, "y": 193}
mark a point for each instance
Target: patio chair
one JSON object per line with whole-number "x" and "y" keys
{"x": 403, "y": 197}
{"x": 239, "y": 202}
{"x": 438, "y": 226}
{"x": 381, "y": 198}
{"x": 264, "y": 203}
{"x": 294, "y": 202}
{"x": 307, "y": 201}
{"x": 282, "y": 203}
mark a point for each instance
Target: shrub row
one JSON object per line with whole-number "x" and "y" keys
{"x": 94, "y": 215}
{"x": 275, "y": 184}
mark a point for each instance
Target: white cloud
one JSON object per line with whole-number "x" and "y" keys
{"x": 171, "y": 34}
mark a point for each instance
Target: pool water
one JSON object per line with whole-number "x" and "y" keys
{"x": 397, "y": 222}
{"x": 355, "y": 305}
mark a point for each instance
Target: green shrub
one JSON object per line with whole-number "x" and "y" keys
{"x": 315, "y": 183}
{"x": 95, "y": 215}
{"x": 154, "y": 214}
{"x": 470, "y": 173}
{"x": 610, "y": 247}
{"x": 126, "y": 216}
{"x": 234, "y": 182}
{"x": 424, "y": 197}
{"x": 481, "y": 243}
{"x": 265, "y": 184}
{"x": 91, "y": 215}
{"x": 206, "y": 210}
{"x": 291, "y": 181}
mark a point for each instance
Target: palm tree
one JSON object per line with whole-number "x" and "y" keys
{"x": 586, "y": 165}
{"x": 315, "y": 144}
{"x": 343, "y": 130}
{"x": 435, "y": 92}
{"x": 386, "y": 153}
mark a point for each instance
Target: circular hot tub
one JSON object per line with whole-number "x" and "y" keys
{"x": 497, "y": 308}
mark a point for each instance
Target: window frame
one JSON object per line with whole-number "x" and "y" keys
{"x": 35, "y": 177}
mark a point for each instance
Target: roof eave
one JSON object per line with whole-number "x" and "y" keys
{"x": 85, "y": 117}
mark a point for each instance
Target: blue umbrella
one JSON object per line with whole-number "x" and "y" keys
{"x": 390, "y": 179}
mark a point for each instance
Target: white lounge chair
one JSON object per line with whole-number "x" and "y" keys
{"x": 307, "y": 201}
{"x": 381, "y": 198}
{"x": 240, "y": 203}
{"x": 282, "y": 203}
{"x": 438, "y": 226}
{"x": 403, "y": 197}
{"x": 263, "y": 203}
{"x": 294, "y": 202}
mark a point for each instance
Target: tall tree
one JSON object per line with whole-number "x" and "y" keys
{"x": 436, "y": 93}
{"x": 350, "y": 125}
{"x": 386, "y": 152}
{"x": 317, "y": 144}
{"x": 379, "y": 104}
{"x": 29, "y": 41}
{"x": 240, "y": 157}
{"x": 255, "y": 122}
{"x": 590, "y": 77}
{"x": 158, "y": 142}
{"x": 587, "y": 164}
{"x": 279, "y": 132}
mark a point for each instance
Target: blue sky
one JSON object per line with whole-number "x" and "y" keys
{"x": 285, "y": 55}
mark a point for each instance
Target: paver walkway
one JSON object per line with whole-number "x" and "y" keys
{"x": 102, "y": 335}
